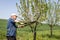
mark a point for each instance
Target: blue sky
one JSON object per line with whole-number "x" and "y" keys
{"x": 7, "y": 7}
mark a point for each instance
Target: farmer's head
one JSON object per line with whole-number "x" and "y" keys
{"x": 14, "y": 16}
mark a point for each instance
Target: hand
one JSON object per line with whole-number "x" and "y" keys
{"x": 22, "y": 23}
{"x": 20, "y": 26}
{"x": 16, "y": 21}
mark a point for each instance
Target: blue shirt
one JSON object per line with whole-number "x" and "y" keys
{"x": 11, "y": 27}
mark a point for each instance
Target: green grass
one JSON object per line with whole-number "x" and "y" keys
{"x": 3, "y": 29}
{"x": 43, "y": 32}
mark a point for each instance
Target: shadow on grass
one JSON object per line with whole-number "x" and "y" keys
{"x": 53, "y": 36}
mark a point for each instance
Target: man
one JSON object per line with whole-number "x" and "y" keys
{"x": 11, "y": 27}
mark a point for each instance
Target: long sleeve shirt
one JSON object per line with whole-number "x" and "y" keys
{"x": 11, "y": 27}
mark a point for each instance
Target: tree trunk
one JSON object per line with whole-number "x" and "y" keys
{"x": 35, "y": 31}
{"x": 51, "y": 30}
{"x": 34, "y": 34}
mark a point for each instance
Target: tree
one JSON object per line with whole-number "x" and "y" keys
{"x": 58, "y": 11}
{"x": 52, "y": 14}
{"x": 32, "y": 12}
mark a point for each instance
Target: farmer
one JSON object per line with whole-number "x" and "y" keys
{"x": 11, "y": 27}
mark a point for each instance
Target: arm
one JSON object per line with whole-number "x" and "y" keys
{"x": 20, "y": 26}
{"x": 14, "y": 23}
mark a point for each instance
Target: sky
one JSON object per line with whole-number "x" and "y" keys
{"x": 7, "y": 7}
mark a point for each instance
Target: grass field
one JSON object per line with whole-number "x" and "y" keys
{"x": 43, "y": 32}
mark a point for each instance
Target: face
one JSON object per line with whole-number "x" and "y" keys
{"x": 14, "y": 17}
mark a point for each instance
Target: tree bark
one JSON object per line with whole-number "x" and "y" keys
{"x": 34, "y": 35}
{"x": 35, "y": 31}
{"x": 51, "y": 30}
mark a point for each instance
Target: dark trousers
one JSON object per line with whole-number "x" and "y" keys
{"x": 11, "y": 38}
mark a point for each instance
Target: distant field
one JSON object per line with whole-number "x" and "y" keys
{"x": 43, "y": 32}
{"x": 3, "y": 29}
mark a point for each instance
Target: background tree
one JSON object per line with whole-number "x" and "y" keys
{"x": 32, "y": 12}
{"x": 57, "y": 12}
{"x": 53, "y": 13}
